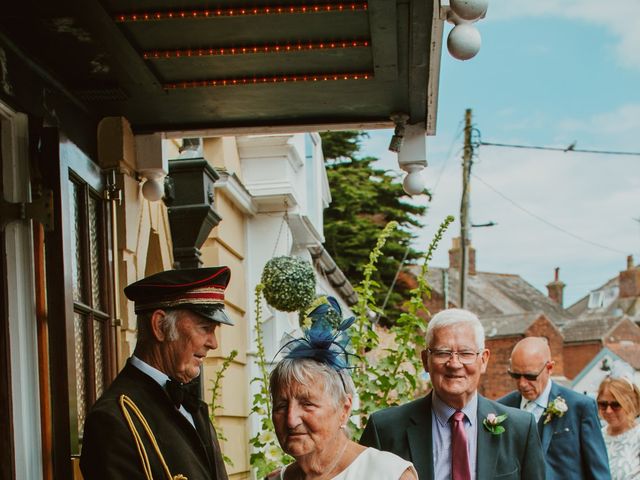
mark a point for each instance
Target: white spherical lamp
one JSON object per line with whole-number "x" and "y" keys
{"x": 413, "y": 183}
{"x": 469, "y": 9}
{"x": 464, "y": 41}
{"x": 153, "y": 189}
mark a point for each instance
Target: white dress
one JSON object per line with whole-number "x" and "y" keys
{"x": 374, "y": 464}
{"x": 624, "y": 453}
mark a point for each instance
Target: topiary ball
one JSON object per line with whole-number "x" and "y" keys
{"x": 289, "y": 283}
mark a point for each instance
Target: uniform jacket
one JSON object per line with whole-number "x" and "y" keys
{"x": 406, "y": 431}
{"x": 108, "y": 448}
{"x": 572, "y": 444}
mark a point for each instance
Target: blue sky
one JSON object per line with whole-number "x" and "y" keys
{"x": 549, "y": 72}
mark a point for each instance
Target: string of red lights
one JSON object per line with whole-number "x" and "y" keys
{"x": 272, "y": 48}
{"x": 354, "y": 5}
{"x": 268, "y": 79}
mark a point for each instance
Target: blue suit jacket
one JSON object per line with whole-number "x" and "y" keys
{"x": 406, "y": 431}
{"x": 573, "y": 445}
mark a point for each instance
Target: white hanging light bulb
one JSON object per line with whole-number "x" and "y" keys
{"x": 469, "y": 9}
{"x": 464, "y": 41}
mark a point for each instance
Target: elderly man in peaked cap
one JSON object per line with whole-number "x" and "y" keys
{"x": 151, "y": 423}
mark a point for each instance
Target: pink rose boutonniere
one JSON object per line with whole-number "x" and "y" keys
{"x": 493, "y": 423}
{"x": 556, "y": 408}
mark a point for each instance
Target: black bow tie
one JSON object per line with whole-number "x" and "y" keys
{"x": 187, "y": 394}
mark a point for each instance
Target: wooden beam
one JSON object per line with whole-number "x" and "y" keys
{"x": 383, "y": 26}
{"x": 131, "y": 70}
{"x": 420, "y": 18}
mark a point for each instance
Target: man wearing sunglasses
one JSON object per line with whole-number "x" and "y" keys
{"x": 567, "y": 421}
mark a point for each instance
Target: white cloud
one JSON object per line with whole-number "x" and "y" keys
{"x": 622, "y": 122}
{"x": 594, "y": 197}
{"x": 622, "y": 18}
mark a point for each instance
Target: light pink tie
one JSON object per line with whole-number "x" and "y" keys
{"x": 459, "y": 453}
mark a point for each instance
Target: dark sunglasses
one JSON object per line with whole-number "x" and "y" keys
{"x": 532, "y": 377}
{"x": 615, "y": 406}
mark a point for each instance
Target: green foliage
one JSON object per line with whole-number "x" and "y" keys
{"x": 289, "y": 283}
{"x": 215, "y": 393}
{"x": 383, "y": 377}
{"x": 267, "y": 454}
{"x": 364, "y": 199}
{"x": 391, "y": 376}
{"x": 337, "y": 145}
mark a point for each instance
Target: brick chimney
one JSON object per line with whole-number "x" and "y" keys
{"x": 455, "y": 256}
{"x": 629, "y": 280}
{"x": 556, "y": 288}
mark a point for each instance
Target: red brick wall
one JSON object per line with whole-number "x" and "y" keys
{"x": 435, "y": 303}
{"x": 578, "y": 355}
{"x": 496, "y": 382}
{"x": 630, "y": 283}
{"x": 543, "y": 327}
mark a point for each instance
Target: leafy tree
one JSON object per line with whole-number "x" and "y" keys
{"x": 365, "y": 199}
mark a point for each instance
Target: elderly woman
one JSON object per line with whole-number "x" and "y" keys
{"x": 312, "y": 394}
{"x": 619, "y": 406}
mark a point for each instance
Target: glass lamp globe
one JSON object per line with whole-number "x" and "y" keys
{"x": 469, "y": 9}
{"x": 464, "y": 41}
{"x": 153, "y": 189}
{"x": 413, "y": 183}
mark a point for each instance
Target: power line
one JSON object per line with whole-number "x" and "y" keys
{"x": 570, "y": 148}
{"x": 448, "y": 157}
{"x": 566, "y": 232}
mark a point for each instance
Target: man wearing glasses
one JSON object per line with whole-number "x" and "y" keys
{"x": 454, "y": 433}
{"x": 567, "y": 421}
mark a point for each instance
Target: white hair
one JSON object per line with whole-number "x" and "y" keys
{"x": 456, "y": 316}
{"x": 309, "y": 372}
{"x": 168, "y": 325}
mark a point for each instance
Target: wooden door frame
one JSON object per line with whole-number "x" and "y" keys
{"x": 59, "y": 158}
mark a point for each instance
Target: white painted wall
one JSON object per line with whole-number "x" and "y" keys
{"x": 592, "y": 376}
{"x": 286, "y": 178}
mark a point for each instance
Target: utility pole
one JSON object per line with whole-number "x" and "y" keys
{"x": 464, "y": 208}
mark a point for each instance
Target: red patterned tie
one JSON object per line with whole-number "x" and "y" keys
{"x": 459, "y": 452}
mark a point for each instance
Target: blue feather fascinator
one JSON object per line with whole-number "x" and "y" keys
{"x": 325, "y": 338}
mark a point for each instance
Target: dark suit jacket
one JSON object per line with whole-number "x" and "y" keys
{"x": 108, "y": 448}
{"x": 406, "y": 431}
{"x": 572, "y": 444}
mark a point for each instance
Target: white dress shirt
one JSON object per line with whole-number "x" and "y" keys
{"x": 161, "y": 379}
{"x": 539, "y": 405}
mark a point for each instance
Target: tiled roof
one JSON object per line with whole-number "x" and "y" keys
{"x": 616, "y": 306}
{"x": 629, "y": 352}
{"x": 506, "y": 301}
{"x": 508, "y": 325}
{"x": 585, "y": 329}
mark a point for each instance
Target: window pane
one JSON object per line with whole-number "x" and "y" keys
{"x": 98, "y": 355}
{"x": 95, "y": 242}
{"x": 79, "y": 326}
{"x": 76, "y": 235}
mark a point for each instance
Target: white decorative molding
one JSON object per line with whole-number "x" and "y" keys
{"x": 272, "y": 170}
{"x": 303, "y": 231}
{"x": 271, "y": 146}
{"x": 233, "y": 188}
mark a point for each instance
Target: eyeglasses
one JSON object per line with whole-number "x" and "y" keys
{"x": 615, "y": 406}
{"x": 532, "y": 377}
{"x": 465, "y": 357}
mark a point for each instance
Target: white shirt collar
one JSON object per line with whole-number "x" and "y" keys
{"x": 542, "y": 400}
{"x": 160, "y": 377}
